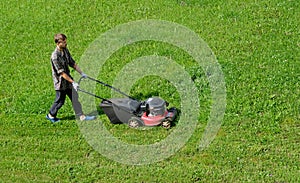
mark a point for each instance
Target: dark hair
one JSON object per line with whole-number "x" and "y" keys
{"x": 58, "y": 37}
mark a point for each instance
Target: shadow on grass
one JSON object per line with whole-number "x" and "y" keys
{"x": 71, "y": 117}
{"x": 93, "y": 113}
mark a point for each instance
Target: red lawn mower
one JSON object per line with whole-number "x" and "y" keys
{"x": 135, "y": 113}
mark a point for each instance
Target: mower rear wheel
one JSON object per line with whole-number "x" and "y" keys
{"x": 135, "y": 122}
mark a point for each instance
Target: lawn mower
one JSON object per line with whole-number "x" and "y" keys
{"x": 135, "y": 113}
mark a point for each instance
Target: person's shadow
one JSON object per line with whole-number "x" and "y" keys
{"x": 71, "y": 117}
{"x": 97, "y": 113}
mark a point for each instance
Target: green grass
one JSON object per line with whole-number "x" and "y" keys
{"x": 256, "y": 43}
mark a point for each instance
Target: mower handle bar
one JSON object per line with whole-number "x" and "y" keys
{"x": 104, "y": 84}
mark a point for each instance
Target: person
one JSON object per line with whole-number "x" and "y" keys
{"x": 64, "y": 84}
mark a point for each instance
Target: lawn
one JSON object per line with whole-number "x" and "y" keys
{"x": 256, "y": 45}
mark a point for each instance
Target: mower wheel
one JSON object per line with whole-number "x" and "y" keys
{"x": 166, "y": 124}
{"x": 135, "y": 122}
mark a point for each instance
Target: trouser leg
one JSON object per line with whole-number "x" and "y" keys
{"x": 73, "y": 95}
{"x": 58, "y": 102}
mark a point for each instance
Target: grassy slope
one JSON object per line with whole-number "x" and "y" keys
{"x": 257, "y": 44}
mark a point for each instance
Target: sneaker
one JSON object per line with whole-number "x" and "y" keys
{"x": 87, "y": 118}
{"x": 53, "y": 119}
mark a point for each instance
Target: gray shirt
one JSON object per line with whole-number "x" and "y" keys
{"x": 60, "y": 61}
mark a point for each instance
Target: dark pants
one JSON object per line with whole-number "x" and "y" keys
{"x": 60, "y": 100}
